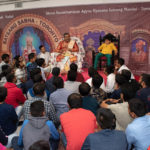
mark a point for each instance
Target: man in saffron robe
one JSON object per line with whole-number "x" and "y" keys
{"x": 66, "y": 49}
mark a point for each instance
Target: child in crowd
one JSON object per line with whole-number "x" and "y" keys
{"x": 20, "y": 74}
{"x": 38, "y": 127}
{"x": 31, "y": 64}
{"x": 105, "y": 50}
{"x": 41, "y": 64}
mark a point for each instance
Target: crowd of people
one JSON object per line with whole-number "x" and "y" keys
{"x": 95, "y": 114}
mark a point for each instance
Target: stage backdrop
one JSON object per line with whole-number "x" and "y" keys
{"x": 31, "y": 28}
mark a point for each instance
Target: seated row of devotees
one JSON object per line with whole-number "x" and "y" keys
{"x": 98, "y": 113}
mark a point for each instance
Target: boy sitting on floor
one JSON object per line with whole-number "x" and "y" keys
{"x": 37, "y": 127}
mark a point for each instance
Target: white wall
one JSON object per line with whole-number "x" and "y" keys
{"x": 56, "y": 3}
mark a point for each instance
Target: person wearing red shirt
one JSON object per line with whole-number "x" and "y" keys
{"x": 15, "y": 95}
{"x": 77, "y": 123}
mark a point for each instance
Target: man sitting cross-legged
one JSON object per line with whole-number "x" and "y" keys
{"x": 106, "y": 138}
{"x": 38, "y": 90}
{"x": 15, "y": 95}
{"x": 138, "y": 131}
{"x": 77, "y": 123}
{"x": 37, "y": 127}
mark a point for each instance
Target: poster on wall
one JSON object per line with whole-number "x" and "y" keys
{"x": 23, "y": 31}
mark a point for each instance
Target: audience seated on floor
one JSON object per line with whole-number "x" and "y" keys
{"x": 120, "y": 65}
{"x": 91, "y": 72}
{"x": 60, "y": 96}
{"x": 138, "y": 131}
{"x": 39, "y": 89}
{"x": 37, "y": 127}
{"x": 71, "y": 84}
{"x": 80, "y": 77}
{"x": 96, "y": 91}
{"x": 76, "y": 124}
{"x": 76, "y": 112}
{"x": 49, "y": 83}
{"x": 15, "y": 95}
{"x": 144, "y": 93}
{"x": 110, "y": 84}
{"x": 89, "y": 102}
{"x": 106, "y": 137}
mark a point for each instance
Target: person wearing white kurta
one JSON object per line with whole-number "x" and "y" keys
{"x": 46, "y": 56}
{"x": 43, "y": 54}
{"x": 110, "y": 85}
{"x": 120, "y": 65}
